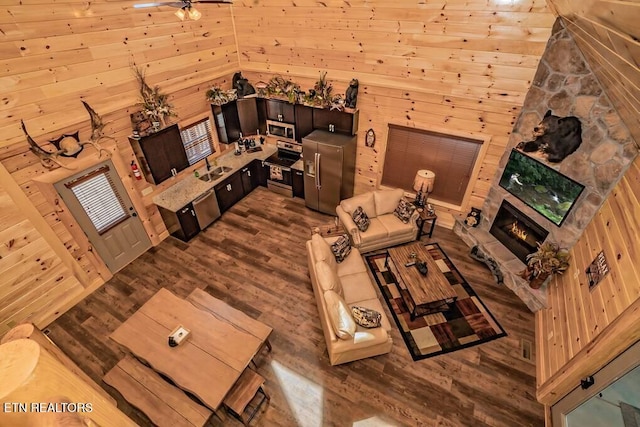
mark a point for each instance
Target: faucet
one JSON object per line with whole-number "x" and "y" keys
{"x": 206, "y": 161}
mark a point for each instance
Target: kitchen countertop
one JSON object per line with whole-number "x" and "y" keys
{"x": 189, "y": 188}
{"x": 299, "y": 165}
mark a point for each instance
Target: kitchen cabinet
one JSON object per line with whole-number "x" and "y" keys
{"x": 161, "y": 154}
{"x": 342, "y": 122}
{"x": 236, "y": 117}
{"x": 262, "y": 172}
{"x": 182, "y": 224}
{"x": 304, "y": 121}
{"x": 229, "y": 191}
{"x": 280, "y": 111}
{"x": 249, "y": 176}
{"x": 297, "y": 183}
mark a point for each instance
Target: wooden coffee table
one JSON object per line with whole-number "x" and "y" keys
{"x": 425, "y": 294}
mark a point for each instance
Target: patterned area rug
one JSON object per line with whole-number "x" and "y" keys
{"x": 467, "y": 323}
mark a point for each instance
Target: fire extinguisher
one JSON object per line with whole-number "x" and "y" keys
{"x": 136, "y": 171}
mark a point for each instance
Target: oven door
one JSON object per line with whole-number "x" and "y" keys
{"x": 279, "y": 179}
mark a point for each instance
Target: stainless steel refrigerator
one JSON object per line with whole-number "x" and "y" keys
{"x": 329, "y": 169}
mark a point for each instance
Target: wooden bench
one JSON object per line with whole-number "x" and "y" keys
{"x": 222, "y": 310}
{"x": 243, "y": 392}
{"x": 163, "y": 403}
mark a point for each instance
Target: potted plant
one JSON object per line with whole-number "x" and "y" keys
{"x": 549, "y": 259}
{"x": 155, "y": 104}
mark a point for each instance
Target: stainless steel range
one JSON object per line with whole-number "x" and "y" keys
{"x": 280, "y": 162}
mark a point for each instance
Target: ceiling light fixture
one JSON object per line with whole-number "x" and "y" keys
{"x": 194, "y": 13}
{"x": 181, "y": 14}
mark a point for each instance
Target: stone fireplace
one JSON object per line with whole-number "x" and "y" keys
{"x": 516, "y": 231}
{"x": 564, "y": 84}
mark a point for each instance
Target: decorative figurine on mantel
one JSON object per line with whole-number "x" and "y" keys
{"x": 351, "y": 95}
{"x": 242, "y": 85}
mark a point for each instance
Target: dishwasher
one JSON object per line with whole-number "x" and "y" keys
{"x": 206, "y": 208}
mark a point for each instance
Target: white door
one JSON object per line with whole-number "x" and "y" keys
{"x": 98, "y": 201}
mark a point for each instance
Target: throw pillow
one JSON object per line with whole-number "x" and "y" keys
{"x": 341, "y": 248}
{"x": 361, "y": 219}
{"x": 339, "y": 316}
{"x": 366, "y": 317}
{"x": 328, "y": 278}
{"x": 404, "y": 211}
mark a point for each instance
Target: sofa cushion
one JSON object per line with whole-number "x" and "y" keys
{"x": 395, "y": 227}
{"x": 366, "y": 317}
{"x": 387, "y": 200}
{"x": 328, "y": 278}
{"x": 322, "y": 250}
{"x": 376, "y": 231}
{"x": 352, "y": 264}
{"x": 339, "y": 316}
{"x": 341, "y": 248}
{"x": 361, "y": 219}
{"x": 404, "y": 210}
{"x": 357, "y": 287}
{"x": 365, "y": 200}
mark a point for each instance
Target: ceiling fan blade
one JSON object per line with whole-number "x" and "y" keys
{"x": 162, "y": 3}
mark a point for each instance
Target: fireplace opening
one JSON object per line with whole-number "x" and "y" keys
{"x": 516, "y": 231}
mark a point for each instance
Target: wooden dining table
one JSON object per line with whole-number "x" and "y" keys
{"x": 207, "y": 364}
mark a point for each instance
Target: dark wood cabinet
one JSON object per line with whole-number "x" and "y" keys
{"x": 229, "y": 191}
{"x": 182, "y": 224}
{"x": 188, "y": 223}
{"x": 161, "y": 154}
{"x": 237, "y": 117}
{"x": 280, "y": 111}
{"x": 342, "y": 122}
{"x": 304, "y": 121}
{"x": 249, "y": 178}
{"x": 262, "y": 172}
{"x": 297, "y": 183}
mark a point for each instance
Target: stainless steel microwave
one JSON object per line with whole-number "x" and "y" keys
{"x": 281, "y": 130}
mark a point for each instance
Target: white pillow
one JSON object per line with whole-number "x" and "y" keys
{"x": 328, "y": 278}
{"x": 340, "y": 316}
{"x": 387, "y": 200}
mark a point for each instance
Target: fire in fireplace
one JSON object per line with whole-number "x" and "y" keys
{"x": 516, "y": 231}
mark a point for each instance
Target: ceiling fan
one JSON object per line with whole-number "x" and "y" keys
{"x": 185, "y": 8}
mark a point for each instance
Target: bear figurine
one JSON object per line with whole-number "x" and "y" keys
{"x": 242, "y": 85}
{"x": 351, "y": 95}
{"x": 556, "y": 137}
{"x": 473, "y": 217}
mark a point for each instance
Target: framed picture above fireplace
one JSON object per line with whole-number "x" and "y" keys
{"x": 542, "y": 188}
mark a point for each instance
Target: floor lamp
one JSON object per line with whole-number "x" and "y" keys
{"x": 423, "y": 184}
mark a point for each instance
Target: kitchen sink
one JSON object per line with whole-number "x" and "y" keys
{"x": 214, "y": 173}
{"x": 210, "y": 176}
{"x": 220, "y": 170}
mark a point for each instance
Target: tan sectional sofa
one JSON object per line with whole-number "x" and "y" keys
{"x": 385, "y": 229}
{"x": 350, "y": 280}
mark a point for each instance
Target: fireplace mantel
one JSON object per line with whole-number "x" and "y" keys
{"x": 510, "y": 265}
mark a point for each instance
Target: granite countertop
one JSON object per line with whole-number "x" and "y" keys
{"x": 299, "y": 165}
{"x": 189, "y": 188}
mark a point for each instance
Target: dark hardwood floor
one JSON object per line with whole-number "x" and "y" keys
{"x": 254, "y": 258}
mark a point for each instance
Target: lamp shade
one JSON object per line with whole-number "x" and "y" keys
{"x": 194, "y": 13}
{"x": 424, "y": 181}
{"x": 181, "y": 14}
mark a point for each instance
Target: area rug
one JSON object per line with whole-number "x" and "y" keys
{"x": 467, "y": 323}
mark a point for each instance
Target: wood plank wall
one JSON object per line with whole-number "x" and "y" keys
{"x": 608, "y": 34}
{"x": 583, "y": 329}
{"x": 52, "y": 55}
{"x": 454, "y": 66}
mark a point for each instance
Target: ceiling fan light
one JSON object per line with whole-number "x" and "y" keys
{"x": 194, "y": 13}
{"x": 181, "y": 14}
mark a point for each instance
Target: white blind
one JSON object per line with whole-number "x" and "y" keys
{"x": 100, "y": 201}
{"x": 197, "y": 140}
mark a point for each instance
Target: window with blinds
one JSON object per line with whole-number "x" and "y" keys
{"x": 450, "y": 157}
{"x": 197, "y": 140}
{"x": 99, "y": 199}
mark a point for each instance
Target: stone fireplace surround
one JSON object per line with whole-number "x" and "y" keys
{"x": 565, "y": 85}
